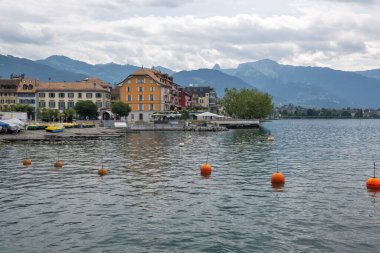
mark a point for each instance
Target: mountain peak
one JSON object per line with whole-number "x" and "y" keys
{"x": 216, "y": 67}
{"x": 260, "y": 63}
{"x": 267, "y": 61}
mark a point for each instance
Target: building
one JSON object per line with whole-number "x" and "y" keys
{"x": 148, "y": 91}
{"x": 8, "y": 91}
{"x": 26, "y": 92}
{"x": 185, "y": 100}
{"x": 203, "y": 97}
{"x": 64, "y": 95}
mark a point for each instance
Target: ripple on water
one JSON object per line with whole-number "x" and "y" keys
{"x": 154, "y": 198}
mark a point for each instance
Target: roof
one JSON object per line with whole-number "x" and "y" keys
{"x": 155, "y": 75}
{"x": 71, "y": 86}
{"x": 199, "y": 90}
{"x": 98, "y": 81}
{"x": 9, "y": 84}
{"x": 27, "y": 86}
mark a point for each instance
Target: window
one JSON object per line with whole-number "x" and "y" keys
{"x": 151, "y": 97}
{"x": 51, "y": 95}
{"x": 99, "y": 104}
{"x": 141, "y": 97}
{"x": 132, "y": 116}
{"x": 79, "y": 95}
{"x": 151, "y": 107}
{"x": 129, "y": 81}
{"x": 129, "y": 89}
{"x": 88, "y": 95}
{"x": 70, "y": 95}
{"x": 61, "y": 105}
{"x": 25, "y": 87}
{"x": 152, "y": 88}
{"x": 129, "y": 97}
{"x": 51, "y": 104}
{"x": 151, "y": 81}
{"x": 141, "y": 89}
{"x": 98, "y": 95}
{"x": 141, "y": 107}
{"x": 140, "y": 80}
{"x": 30, "y": 87}
{"x": 70, "y": 104}
{"x": 61, "y": 95}
{"x": 41, "y": 95}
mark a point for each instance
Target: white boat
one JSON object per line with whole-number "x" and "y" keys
{"x": 9, "y": 126}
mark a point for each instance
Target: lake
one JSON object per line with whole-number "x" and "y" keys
{"x": 155, "y": 200}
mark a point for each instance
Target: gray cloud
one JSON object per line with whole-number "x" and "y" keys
{"x": 352, "y": 1}
{"x": 102, "y": 31}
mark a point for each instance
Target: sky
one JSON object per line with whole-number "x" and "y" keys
{"x": 193, "y": 34}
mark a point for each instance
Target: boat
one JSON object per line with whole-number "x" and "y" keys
{"x": 10, "y": 126}
{"x": 54, "y": 129}
{"x": 36, "y": 127}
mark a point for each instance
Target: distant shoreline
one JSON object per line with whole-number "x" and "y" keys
{"x": 320, "y": 118}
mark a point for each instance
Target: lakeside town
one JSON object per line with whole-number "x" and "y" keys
{"x": 146, "y": 91}
{"x": 146, "y": 100}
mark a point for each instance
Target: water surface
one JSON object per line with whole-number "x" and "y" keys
{"x": 154, "y": 199}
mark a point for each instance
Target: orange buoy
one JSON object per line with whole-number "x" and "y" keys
{"x": 102, "y": 172}
{"x": 205, "y": 169}
{"x": 373, "y": 183}
{"x": 278, "y": 178}
{"x": 58, "y": 164}
{"x": 26, "y": 162}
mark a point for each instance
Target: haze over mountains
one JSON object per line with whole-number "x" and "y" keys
{"x": 304, "y": 86}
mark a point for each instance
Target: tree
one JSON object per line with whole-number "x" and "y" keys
{"x": 47, "y": 114}
{"x": 86, "y": 108}
{"x": 121, "y": 109}
{"x": 69, "y": 114}
{"x": 22, "y": 108}
{"x": 247, "y": 103}
{"x": 185, "y": 114}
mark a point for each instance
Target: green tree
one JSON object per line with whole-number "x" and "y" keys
{"x": 121, "y": 109}
{"x": 22, "y": 108}
{"x": 86, "y": 108}
{"x": 69, "y": 114}
{"x": 45, "y": 114}
{"x": 247, "y": 103}
{"x": 185, "y": 114}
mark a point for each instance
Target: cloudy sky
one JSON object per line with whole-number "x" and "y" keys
{"x": 192, "y": 34}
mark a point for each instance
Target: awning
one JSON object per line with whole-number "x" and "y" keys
{"x": 209, "y": 114}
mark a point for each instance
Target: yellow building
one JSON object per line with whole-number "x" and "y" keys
{"x": 148, "y": 91}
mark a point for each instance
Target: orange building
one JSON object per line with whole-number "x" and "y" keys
{"x": 148, "y": 91}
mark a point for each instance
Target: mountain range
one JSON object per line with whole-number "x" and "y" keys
{"x": 297, "y": 85}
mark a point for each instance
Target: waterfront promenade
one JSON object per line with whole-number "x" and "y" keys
{"x": 100, "y": 132}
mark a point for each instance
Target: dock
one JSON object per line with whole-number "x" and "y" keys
{"x": 68, "y": 135}
{"x": 71, "y": 135}
{"x": 237, "y": 124}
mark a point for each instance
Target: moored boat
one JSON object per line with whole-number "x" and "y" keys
{"x": 54, "y": 129}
